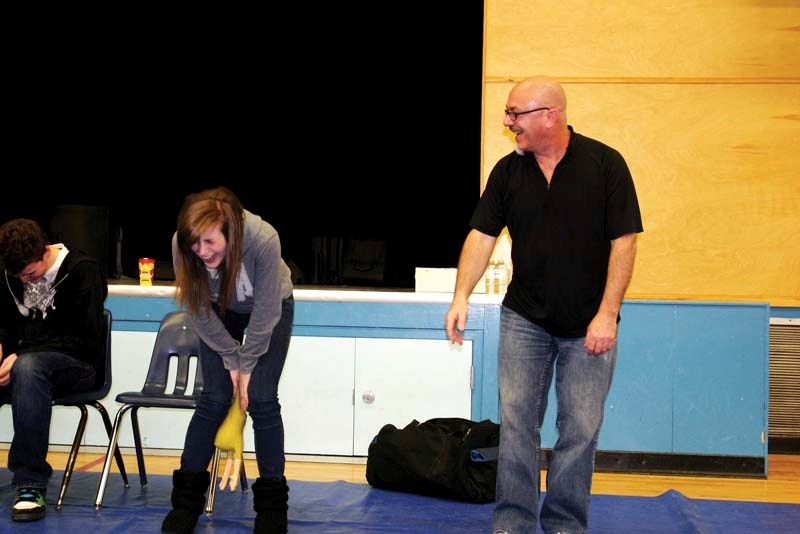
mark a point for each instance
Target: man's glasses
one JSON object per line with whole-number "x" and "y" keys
{"x": 514, "y": 114}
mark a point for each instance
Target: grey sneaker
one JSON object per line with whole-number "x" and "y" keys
{"x": 29, "y": 504}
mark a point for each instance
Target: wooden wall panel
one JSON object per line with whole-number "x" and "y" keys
{"x": 717, "y": 180}
{"x": 643, "y": 39}
{"x": 715, "y": 160}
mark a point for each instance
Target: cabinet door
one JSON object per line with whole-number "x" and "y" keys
{"x": 316, "y": 395}
{"x": 399, "y": 380}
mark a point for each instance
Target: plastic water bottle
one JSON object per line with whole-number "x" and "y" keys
{"x": 502, "y": 277}
{"x": 488, "y": 277}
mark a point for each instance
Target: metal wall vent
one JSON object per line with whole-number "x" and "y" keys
{"x": 784, "y": 378}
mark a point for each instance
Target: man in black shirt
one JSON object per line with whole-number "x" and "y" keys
{"x": 572, "y": 213}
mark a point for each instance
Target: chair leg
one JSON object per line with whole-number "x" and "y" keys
{"x": 212, "y": 488}
{"x": 117, "y": 452}
{"x": 243, "y": 478}
{"x": 137, "y": 441}
{"x": 112, "y": 445}
{"x": 73, "y": 455}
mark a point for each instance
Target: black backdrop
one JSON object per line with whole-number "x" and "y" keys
{"x": 351, "y": 130}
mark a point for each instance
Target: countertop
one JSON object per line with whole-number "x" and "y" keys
{"x": 128, "y": 288}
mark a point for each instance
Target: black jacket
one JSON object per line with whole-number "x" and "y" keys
{"x": 74, "y": 323}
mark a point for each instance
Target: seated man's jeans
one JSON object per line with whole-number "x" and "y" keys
{"x": 528, "y": 357}
{"x": 33, "y": 377}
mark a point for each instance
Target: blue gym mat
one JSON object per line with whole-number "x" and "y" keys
{"x": 343, "y": 507}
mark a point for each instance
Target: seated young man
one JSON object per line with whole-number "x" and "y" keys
{"x": 52, "y": 344}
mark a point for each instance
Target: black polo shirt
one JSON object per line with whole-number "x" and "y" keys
{"x": 561, "y": 235}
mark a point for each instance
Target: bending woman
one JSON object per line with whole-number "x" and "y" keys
{"x": 231, "y": 279}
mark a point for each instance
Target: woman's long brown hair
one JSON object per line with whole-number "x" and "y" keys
{"x": 200, "y": 212}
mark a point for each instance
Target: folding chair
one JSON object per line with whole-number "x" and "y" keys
{"x": 81, "y": 401}
{"x": 175, "y": 339}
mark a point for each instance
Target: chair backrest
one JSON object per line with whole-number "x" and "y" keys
{"x": 177, "y": 339}
{"x": 103, "y": 379}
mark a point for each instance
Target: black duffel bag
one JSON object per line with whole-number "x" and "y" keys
{"x": 446, "y": 457}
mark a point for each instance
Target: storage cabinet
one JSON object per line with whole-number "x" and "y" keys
{"x": 691, "y": 378}
{"x": 336, "y": 393}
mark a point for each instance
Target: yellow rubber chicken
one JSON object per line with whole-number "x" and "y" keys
{"x": 230, "y": 438}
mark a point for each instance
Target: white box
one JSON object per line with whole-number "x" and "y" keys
{"x": 437, "y": 280}
{"x": 433, "y": 280}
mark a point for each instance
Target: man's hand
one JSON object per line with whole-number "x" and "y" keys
{"x": 456, "y": 321}
{"x": 471, "y": 266}
{"x": 5, "y": 369}
{"x": 601, "y": 335}
{"x": 602, "y": 332}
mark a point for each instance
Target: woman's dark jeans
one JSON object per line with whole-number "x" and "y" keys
{"x": 264, "y": 408}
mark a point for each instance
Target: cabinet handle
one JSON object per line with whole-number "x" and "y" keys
{"x": 368, "y": 397}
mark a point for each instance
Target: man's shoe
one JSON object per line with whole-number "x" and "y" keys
{"x": 29, "y": 505}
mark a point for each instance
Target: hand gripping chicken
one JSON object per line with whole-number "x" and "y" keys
{"x": 230, "y": 439}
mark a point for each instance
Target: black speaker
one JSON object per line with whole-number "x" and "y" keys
{"x": 83, "y": 228}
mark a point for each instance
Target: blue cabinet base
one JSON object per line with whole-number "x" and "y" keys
{"x": 690, "y": 392}
{"x": 675, "y": 464}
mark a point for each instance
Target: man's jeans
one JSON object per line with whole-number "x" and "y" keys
{"x": 264, "y": 408}
{"x": 527, "y": 358}
{"x": 33, "y": 377}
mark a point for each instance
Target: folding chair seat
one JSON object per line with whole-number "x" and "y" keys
{"x": 176, "y": 339}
